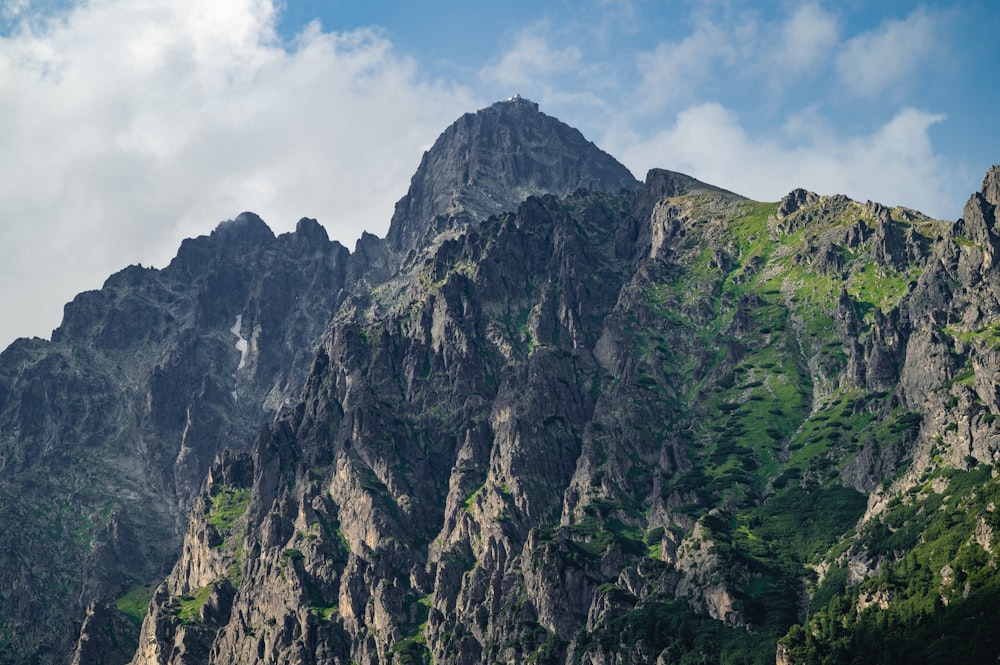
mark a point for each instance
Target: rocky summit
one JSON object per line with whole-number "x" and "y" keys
{"x": 491, "y": 161}
{"x": 556, "y": 416}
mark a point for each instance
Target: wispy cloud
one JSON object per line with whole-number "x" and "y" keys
{"x": 892, "y": 55}
{"x": 11, "y": 9}
{"x": 696, "y": 86}
{"x": 675, "y": 71}
{"x": 805, "y": 40}
{"x": 531, "y": 60}
{"x": 726, "y": 45}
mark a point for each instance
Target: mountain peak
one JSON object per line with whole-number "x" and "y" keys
{"x": 247, "y": 227}
{"x": 991, "y": 185}
{"x": 517, "y": 99}
{"x": 492, "y": 160}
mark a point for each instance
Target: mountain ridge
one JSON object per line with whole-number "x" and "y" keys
{"x": 106, "y": 431}
{"x": 560, "y": 495}
{"x": 635, "y": 425}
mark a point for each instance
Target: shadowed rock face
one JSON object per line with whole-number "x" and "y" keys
{"x": 490, "y": 161}
{"x": 107, "y": 431}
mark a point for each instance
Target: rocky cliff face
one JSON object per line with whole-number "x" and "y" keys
{"x": 107, "y": 431}
{"x": 660, "y": 424}
{"x": 490, "y": 161}
{"x": 612, "y": 429}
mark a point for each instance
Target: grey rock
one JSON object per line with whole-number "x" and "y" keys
{"x": 490, "y": 161}
{"x": 991, "y": 185}
{"x": 795, "y": 200}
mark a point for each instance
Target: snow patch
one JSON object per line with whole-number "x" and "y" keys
{"x": 242, "y": 347}
{"x": 241, "y": 342}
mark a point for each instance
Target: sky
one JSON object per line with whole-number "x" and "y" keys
{"x": 128, "y": 125}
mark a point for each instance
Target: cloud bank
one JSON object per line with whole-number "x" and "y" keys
{"x": 896, "y": 160}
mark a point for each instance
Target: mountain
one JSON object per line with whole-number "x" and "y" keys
{"x": 640, "y": 427}
{"x": 489, "y": 162}
{"x": 611, "y": 423}
{"x": 107, "y": 431}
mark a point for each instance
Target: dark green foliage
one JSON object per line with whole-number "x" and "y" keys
{"x": 801, "y": 524}
{"x": 135, "y": 604}
{"x": 669, "y": 628}
{"x": 228, "y": 505}
{"x": 411, "y": 651}
{"x": 592, "y": 536}
{"x": 940, "y": 592}
{"x": 187, "y": 607}
{"x": 963, "y": 632}
{"x": 549, "y": 652}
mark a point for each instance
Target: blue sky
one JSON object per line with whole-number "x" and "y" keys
{"x": 127, "y": 125}
{"x": 849, "y": 67}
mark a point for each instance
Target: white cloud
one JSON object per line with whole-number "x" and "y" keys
{"x": 895, "y": 164}
{"x": 889, "y": 56}
{"x": 734, "y": 47}
{"x": 531, "y": 60}
{"x": 806, "y": 39}
{"x": 13, "y": 8}
{"x": 675, "y": 71}
{"x": 127, "y": 125}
